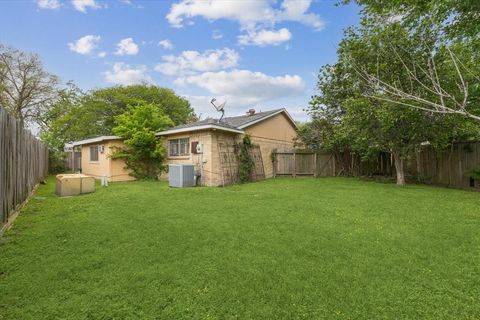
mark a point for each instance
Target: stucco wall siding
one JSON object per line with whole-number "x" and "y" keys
{"x": 114, "y": 170}
{"x": 272, "y": 133}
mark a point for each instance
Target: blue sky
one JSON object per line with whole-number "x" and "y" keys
{"x": 260, "y": 54}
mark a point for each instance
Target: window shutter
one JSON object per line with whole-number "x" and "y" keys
{"x": 194, "y": 147}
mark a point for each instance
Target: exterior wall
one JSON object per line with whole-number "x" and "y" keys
{"x": 117, "y": 167}
{"x": 273, "y": 133}
{"x": 105, "y": 166}
{"x": 203, "y": 137}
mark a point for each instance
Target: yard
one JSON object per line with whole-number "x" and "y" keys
{"x": 302, "y": 248}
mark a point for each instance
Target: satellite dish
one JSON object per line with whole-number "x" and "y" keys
{"x": 219, "y": 108}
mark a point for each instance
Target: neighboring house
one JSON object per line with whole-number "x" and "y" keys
{"x": 269, "y": 130}
{"x": 96, "y": 160}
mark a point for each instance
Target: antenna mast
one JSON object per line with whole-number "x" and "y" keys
{"x": 219, "y": 108}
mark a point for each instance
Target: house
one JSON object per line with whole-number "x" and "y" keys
{"x": 209, "y": 144}
{"x": 96, "y": 158}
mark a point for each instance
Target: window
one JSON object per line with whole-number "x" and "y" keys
{"x": 93, "y": 153}
{"x": 178, "y": 147}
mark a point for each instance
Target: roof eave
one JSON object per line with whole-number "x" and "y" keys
{"x": 197, "y": 128}
{"x": 94, "y": 140}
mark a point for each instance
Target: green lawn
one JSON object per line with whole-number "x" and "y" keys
{"x": 288, "y": 248}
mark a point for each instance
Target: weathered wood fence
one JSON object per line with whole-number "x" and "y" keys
{"x": 23, "y": 164}
{"x": 296, "y": 162}
{"x": 447, "y": 168}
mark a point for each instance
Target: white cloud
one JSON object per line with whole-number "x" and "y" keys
{"x": 264, "y": 38}
{"x": 83, "y": 5}
{"x": 85, "y": 45}
{"x": 296, "y": 10}
{"x": 216, "y": 34}
{"x": 245, "y": 87}
{"x": 48, "y": 4}
{"x": 165, "y": 44}
{"x": 249, "y": 13}
{"x": 245, "y": 11}
{"x": 123, "y": 74}
{"x": 102, "y": 54}
{"x": 127, "y": 47}
{"x": 189, "y": 62}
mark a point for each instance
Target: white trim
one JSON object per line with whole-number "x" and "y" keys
{"x": 93, "y": 140}
{"x": 196, "y": 128}
{"x": 269, "y": 116}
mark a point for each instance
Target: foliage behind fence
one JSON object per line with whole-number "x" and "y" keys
{"x": 23, "y": 164}
{"x": 447, "y": 168}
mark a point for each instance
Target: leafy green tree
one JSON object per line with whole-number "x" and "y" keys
{"x": 458, "y": 19}
{"x": 143, "y": 152}
{"x": 55, "y": 125}
{"x": 443, "y": 66}
{"x": 77, "y": 115}
{"x": 350, "y": 112}
{"x": 100, "y": 107}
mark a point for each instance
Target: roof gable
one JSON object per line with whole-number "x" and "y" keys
{"x": 233, "y": 124}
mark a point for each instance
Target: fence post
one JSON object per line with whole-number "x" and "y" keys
{"x": 274, "y": 162}
{"x": 315, "y": 164}
{"x": 294, "y": 165}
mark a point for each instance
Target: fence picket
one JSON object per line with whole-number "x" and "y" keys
{"x": 23, "y": 164}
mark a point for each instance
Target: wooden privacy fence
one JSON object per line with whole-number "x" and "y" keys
{"x": 296, "y": 162}
{"x": 447, "y": 168}
{"x": 23, "y": 164}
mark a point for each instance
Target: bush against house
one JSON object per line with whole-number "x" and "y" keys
{"x": 143, "y": 152}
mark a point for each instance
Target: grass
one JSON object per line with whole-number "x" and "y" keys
{"x": 306, "y": 248}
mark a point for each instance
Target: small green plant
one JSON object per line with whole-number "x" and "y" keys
{"x": 473, "y": 173}
{"x": 246, "y": 163}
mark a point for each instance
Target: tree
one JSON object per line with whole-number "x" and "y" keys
{"x": 143, "y": 152}
{"x": 105, "y": 104}
{"x": 94, "y": 113}
{"x": 55, "y": 125}
{"x": 444, "y": 73}
{"x": 26, "y": 89}
{"x": 354, "y": 114}
{"x": 458, "y": 19}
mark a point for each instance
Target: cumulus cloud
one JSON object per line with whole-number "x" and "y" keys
{"x": 126, "y": 47}
{"x": 296, "y": 10}
{"x": 264, "y": 38}
{"x": 123, "y": 74}
{"x": 165, "y": 44}
{"x": 189, "y": 62}
{"x": 83, "y": 5}
{"x": 48, "y": 4}
{"x": 249, "y": 13}
{"x": 245, "y": 86}
{"x": 245, "y": 11}
{"x": 102, "y": 54}
{"x": 85, "y": 45}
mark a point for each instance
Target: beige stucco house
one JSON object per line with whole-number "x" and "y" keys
{"x": 269, "y": 130}
{"x": 96, "y": 158}
{"x": 206, "y": 144}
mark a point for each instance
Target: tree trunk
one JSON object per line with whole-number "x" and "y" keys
{"x": 399, "y": 168}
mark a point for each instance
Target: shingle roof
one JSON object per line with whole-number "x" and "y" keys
{"x": 232, "y": 123}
